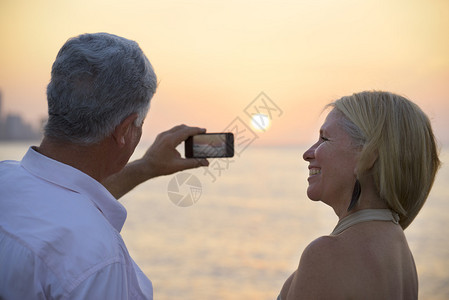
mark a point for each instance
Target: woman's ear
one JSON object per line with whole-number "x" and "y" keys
{"x": 371, "y": 159}
{"x": 366, "y": 162}
{"x": 121, "y": 131}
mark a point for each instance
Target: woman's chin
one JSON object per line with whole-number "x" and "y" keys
{"x": 313, "y": 196}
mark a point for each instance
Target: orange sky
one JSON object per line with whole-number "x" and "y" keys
{"x": 214, "y": 57}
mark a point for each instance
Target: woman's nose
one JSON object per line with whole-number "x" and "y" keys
{"x": 310, "y": 153}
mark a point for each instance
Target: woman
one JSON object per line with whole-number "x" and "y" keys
{"x": 374, "y": 164}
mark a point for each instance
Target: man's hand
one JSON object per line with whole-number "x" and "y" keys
{"x": 161, "y": 158}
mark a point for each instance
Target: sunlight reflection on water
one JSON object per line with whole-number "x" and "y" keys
{"x": 245, "y": 235}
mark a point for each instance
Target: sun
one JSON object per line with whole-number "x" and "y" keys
{"x": 260, "y": 122}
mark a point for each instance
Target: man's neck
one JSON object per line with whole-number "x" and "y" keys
{"x": 89, "y": 159}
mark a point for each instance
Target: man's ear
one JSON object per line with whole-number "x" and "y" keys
{"x": 121, "y": 131}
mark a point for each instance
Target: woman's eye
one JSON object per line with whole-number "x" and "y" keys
{"x": 325, "y": 139}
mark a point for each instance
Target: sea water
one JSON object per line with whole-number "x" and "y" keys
{"x": 248, "y": 222}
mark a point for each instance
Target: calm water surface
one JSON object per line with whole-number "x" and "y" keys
{"x": 246, "y": 233}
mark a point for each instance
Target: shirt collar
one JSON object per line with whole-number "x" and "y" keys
{"x": 73, "y": 179}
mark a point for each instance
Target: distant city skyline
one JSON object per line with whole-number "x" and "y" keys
{"x": 14, "y": 128}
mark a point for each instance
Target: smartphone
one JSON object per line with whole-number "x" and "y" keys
{"x": 210, "y": 145}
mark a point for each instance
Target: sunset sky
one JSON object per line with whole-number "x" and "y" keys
{"x": 213, "y": 58}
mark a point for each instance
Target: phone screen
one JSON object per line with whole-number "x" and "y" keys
{"x": 210, "y": 145}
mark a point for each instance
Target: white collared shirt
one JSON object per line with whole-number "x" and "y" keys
{"x": 60, "y": 235}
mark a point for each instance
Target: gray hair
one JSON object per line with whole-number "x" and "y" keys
{"x": 97, "y": 81}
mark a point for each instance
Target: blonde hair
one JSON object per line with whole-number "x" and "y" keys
{"x": 398, "y": 135}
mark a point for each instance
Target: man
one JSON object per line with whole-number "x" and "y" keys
{"x": 59, "y": 220}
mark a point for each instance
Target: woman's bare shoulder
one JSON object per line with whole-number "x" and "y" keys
{"x": 321, "y": 270}
{"x": 324, "y": 250}
{"x": 337, "y": 265}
